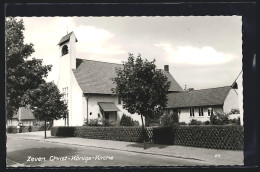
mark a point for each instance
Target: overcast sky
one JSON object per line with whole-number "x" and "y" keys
{"x": 202, "y": 52}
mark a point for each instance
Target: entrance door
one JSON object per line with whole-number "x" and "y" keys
{"x": 107, "y": 115}
{"x": 106, "y": 118}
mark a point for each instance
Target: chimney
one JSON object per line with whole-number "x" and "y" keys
{"x": 166, "y": 68}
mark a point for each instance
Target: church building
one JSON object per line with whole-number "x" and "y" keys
{"x": 87, "y": 85}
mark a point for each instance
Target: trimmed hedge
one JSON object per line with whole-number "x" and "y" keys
{"x": 11, "y": 129}
{"x": 130, "y": 134}
{"x": 217, "y": 137}
{"x": 163, "y": 135}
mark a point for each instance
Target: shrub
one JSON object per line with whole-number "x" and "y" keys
{"x": 195, "y": 122}
{"x": 169, "y": 119}
{"x": 235, "y": 111}
{"x": 126, "y": 121}
{"x": 30, "y": 128}
{"x": 94, "y": 122}
{"x": 136, "y": 123}
{"x": 235, "y": 121}
{"x": 182, "y": 123}
{"x": 206, "y": 123}
{"x": 219, "y": 119}
{"x": 11, "y": 129}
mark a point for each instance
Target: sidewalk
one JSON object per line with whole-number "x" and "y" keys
{"x": 209, "y": 156}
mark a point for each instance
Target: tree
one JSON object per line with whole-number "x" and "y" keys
{"x": 46, "y": 103}
{"x": 126, "y": 121}
{"x": 219, "y": 118}
{"x": 170, "y": 119}
{"x": 141, "y": 87}
{"x": 21, "y": 74}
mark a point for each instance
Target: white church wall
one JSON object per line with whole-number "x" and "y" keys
{"x": 76, "y": 118}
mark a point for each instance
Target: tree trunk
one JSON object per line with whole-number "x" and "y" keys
{"x": 147, "y": 121}
{"x": 45, "y": 130}
{"x": 143, "y": 131}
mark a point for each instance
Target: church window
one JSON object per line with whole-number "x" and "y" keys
{"x": 64, "y": 50}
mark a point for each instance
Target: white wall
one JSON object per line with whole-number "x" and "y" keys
{"x": 94, "y": 107}
{"x": 184, "y": 115}
{"x": 66, "y": 79}
{"x": 76, "y": 116}
{"x": 13, "y": 122}
{"x": 231, "y": 101}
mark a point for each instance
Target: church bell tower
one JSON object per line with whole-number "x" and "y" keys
{"x": 67, "y": 62}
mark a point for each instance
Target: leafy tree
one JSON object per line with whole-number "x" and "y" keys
{"x": 170, "y": 119}
{"x": 46, "y": 103}
{"x": 141, "y": 87}
{"x": 21, "y": 74}
{"x": 126, "y": 121}
{"x": 219, "y": 118}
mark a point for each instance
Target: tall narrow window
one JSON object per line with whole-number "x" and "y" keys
{"x": 201, "y": 112}
{"x": 210, "y": 111}
{"x": 65, "y": 94}
{"x": 191, "y": 112}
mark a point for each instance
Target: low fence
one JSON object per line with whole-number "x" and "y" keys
{"x": 217, "y": 137}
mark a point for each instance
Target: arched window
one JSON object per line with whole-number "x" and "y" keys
{"x": 64, "y": 50}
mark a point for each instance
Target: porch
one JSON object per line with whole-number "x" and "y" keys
{"x": 109, "y": 115}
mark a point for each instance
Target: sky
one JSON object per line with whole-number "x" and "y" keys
{"x": 202, "y": 52}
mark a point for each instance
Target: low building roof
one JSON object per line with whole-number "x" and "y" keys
{"x": 26, "y": 114}
{"x": 95, "y": 77}
{"x": 203, "y": 97}
{"x": 108, "y": 106}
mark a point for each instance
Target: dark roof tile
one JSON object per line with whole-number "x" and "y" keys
{"x": 26, "y": 113}
{"x": 108, "y": 106}
{"x": 66, "y": 38}
{"x": 203, "y": 97}
{"x": 96, "y": 77}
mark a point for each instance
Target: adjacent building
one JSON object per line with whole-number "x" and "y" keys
{"x": 201, "y": 104}
{"x": 23, "y": 117}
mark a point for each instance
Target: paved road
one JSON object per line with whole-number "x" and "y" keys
{"x": 39, "y": 153}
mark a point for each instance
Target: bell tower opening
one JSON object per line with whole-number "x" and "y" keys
{"x": 64, "y": 50}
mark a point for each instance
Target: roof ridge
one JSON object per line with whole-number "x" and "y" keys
{"x": 99, "y": 61}
{"x": 199, "y": 90}
{"x": 211, "y": 88}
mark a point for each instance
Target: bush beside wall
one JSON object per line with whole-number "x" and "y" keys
{"x": 11, "y": 129}
{"x": 216, "y": 137}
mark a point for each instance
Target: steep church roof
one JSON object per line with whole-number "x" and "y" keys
{"x": 66, "y": 38}
{"x": 203, "y": 97}
{"x": 95, "y": 77}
